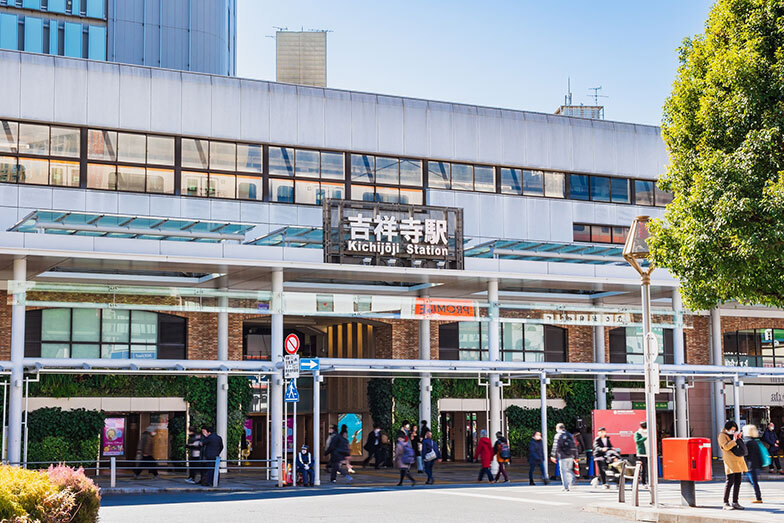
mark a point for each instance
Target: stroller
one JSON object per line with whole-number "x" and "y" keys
{"x": 614, "y": 467}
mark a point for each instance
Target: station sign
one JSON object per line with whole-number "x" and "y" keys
{"x": 291, "y": 365}
{"x": 397, "y": 235}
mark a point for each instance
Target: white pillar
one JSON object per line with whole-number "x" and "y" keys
{"x": 543, "y": 416}
{"x": 275, "y": 393}
{"x": 425, "y": 406}
{"x": 222, "y": 394}
{"x": 316, "y": 429}
{"x": 600, "y": 382}
{"x": 15, "y": 398}
{"x": 679, "y": 358}
{"x": 719, "y": 413}
{"x": 494, "y": 355}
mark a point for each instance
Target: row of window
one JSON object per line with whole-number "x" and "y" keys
{"x": 90, "y": 8}
{"x": 582, "y": 232}
{"x": 39, "y": 35}
{"x": 519, "y": 342}
{"x": 211, "y": 168}
{"x": 626, "y": 345}
{"x": 754, "y": 348}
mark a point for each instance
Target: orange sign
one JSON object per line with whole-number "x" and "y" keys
{"x": 456, "y": 308}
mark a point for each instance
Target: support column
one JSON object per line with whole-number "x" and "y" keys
{"x": 719, "y": 413}
{"x": 425, "y": 407}
{"x": 543, "y": 380}
{"x": 494, "y": 355}
{"x": 222, "y": 394}
{"x": 316, "y": 429}
{"x": 600, "y": 382}
{"x": 275, "y": 395}
{"x": 679, "y": 358}
{"x": 736, "y": 400}
{"x": 15, "y": 397}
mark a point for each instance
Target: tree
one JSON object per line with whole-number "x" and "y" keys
{"x": 723, "y": 234}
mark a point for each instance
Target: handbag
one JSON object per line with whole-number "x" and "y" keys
{"x": 764, "y": 455}
{"x": 740, "y": 448}
{"x": 430, "y": 456}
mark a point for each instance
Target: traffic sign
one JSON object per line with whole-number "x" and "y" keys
{"x": 292, "y": 394}
{"x": 309, "y": 364}
{"x": 291, "y": 365}
{"x": 291, "y": 344}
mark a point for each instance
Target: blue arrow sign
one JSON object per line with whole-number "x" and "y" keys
{"x": 309, "y": 364}
{"x": 292, "y": 394}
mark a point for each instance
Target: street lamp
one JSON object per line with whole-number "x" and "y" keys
{"x": 636, "y": 252}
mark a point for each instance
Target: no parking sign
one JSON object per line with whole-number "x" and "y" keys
{"x": 291, "y": 344}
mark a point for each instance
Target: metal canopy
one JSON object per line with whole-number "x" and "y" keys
{"x": 291, "y": 236}
{"x": 548, "y": 252}
{"x": 130, "y": 226}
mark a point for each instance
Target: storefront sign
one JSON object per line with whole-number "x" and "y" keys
{"x": 436, "y": 307}
{"x": 660, "y": 405}
{"x": 584, "y": 318}
{"x": 113, "y": 443}
{"x": 372, "y": 233}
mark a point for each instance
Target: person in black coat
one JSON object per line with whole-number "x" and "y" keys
{"x": 753, "y": 458}
{"x": 771, "y": 442}
{"x": 601, "y": 445}
{"x": 536, "y": 458}
{"x": 211, "y": 447}
{"x": 194, "y": 453}
{"x": 338, "y": 450}
{"x": 373, "y": 447}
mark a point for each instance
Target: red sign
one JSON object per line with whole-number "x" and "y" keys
{"x": 291, "y": 344}
{"x": 438, "y": 307}
{"x": 620, "y": 425}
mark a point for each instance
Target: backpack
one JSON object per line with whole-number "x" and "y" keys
{"x": 566, "y": 444}
{"x": 408, "y": 455}
{"x": 503, "y": 451}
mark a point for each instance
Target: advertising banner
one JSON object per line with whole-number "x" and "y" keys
{"x": 113, "y": 441}
{"x": 620, "y": 425}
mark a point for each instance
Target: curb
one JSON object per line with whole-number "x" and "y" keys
{"x": 675, "y": 515}
{"x": 162, "y": 490}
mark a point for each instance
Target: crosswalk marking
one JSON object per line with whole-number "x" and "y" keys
{"x": 504, "y": 498}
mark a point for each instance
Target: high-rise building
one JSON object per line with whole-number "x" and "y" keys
{"x": 190, "y": 35}
{"x": 301, "y": 57}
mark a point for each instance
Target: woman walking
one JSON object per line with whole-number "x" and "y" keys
{"x": 733, "y": 451}
{"x": 404, "y": 457}
{"x": 754, "y": 458}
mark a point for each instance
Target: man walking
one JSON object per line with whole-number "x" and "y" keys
{"x": 338, "y": 451}
{"x": 564, "y": 453}
{"x": 503, "y": 455}
{"x": 536, "y": 458}
{"x": 212, "y": 445}
{"x": 373, "y": 447}
{"x": 601, "y": 445}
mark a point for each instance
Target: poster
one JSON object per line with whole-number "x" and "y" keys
{"x": 114, "y": 437}
{"x": 353, "y": 423}
{"x": 289, "y": 433}
{"x": 621, "y": 426}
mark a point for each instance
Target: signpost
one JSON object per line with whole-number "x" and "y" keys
{"x": 309, "y": 364}
{"x": 291, "y": 365}
{"x": 291, "y": 344}
{"x": 291, "y": 372}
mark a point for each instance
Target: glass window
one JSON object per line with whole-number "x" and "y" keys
{"x": 306, "y": 192}
{"x": 86, "y": 324}
{"x": 34, "y": 171}
{"x": 8, "y": 136}
{"x": 194, "y": 153}
{"x": 64, "y": 173}
{"x": 581, "y": 233}
{"x": 619, "y": 234}
{"x": 101, "y": 176}
{"x": 462, "y": 177}
{"x": 600, "y": 188}
{"x": 643, "y": 192}
{"x": 115, "y": 352}
{"x": 249, "y": 158}
{"x": 513, "y": 336}
{"x": 54, "y": 350}
{"x": 144, "y": 327}
{"x": 411, "y": 196}
{"x": 223, "y": 156}
{"x": 55, "y": 324}
{"x": 662, "y": 197}
{"x": 33, "y": 34}
{"x": 469, "y": 340}
{"x": 146, "y": 352}
{"x": 484, "y": 178}
{"x": 362, "y": 193}
{"x": 281, "y": 191}
{"x": 620, "y": 190}
{"x": 8, "y": 29}
{"x": 73, "y": 40}
{"x": 223, "y": 185}
{"x": 85, "y": 351}
{"x": 410, "y": 172}
{"x": 249, "y": 188}
{"x": 281, "y": 161}
{"x": 601, "y": 234}
{"x": 33, "y": 139}
{"x": 332, "y": 166}
{"x": 115, "y": 325}
{"x": 438, "y": 175}
{"x": 131, "y": 147}
{"x": 8, "y": 169}
{"x": 387, "y": 170}
{"x": 307, "y": 163}
{"x": 160, "y": 150}
{"x": 65, "y": 142}
{"x": 363, "y": 168}
{"x": 554, "y": 185}
{"x": 511, "y": 181}
{"x": 332, "y": 191}
{"x": 533, "y": 183}
{"x": 195, "y": 184}
{"x": 101, "y": 145}
{"x": 160, "y": 181}
{"x": 130, "y": 178}
{"x": 387, "y": 195}
{"x": 534, "y": 338}
{"x": 96, "y": 43}
{"x": 578, "y": 186}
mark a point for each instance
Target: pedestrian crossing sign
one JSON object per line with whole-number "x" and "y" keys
{"x": 292, "y": 394}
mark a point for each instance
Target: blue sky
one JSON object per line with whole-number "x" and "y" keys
{"x": 512, "y": 54}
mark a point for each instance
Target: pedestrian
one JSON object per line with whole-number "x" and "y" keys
{"x": 430, "y": 454}
{"x": 305, "y": 466}
{"x": 347, "y": 459}
{"x": 601, "y": 445}
{"x": 331, "y": 433}
{"x": 564, "y": 453}
{"x": 423, "y": 430}
{"x": 145, "y": 453}
{"x": 754, "y": 458}
{"x": 536, "y": 458}
{"x": 194, "y": 453}
{"x": 771, "y": 442}
{"x": 212, "y": 446}
{"x": 503, "y": 455}
{"x": 416, "y": 444}
{"x": 733, "y": 451}
{"x": 641, "y": 443}
{"x": 338, "y": 450}
{"x": 484, "y": 453}
{"x": 404, "y": 457}
{"x": 373, "y": 447}
{"x": 405, "y": 430}
{"x": 386, "y": 451}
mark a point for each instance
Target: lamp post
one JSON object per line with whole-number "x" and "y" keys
{"x": 636, "y": 251}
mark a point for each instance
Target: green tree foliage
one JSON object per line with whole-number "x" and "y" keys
{"x": 723, "y": 234}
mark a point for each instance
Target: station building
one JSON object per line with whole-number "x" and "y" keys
{"x": 151, "y": 215}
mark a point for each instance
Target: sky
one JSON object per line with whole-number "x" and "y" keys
{"x": 509, "y": 54}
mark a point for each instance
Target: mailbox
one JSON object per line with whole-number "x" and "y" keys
{"x": 687, "y": 459}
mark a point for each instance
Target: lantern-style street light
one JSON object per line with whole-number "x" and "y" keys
{"x": 636, "y": 252}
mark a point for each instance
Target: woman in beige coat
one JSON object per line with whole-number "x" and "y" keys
{"x": 734, "y": 466}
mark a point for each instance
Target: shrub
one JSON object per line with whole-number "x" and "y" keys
{"x": 52, "y": 449}
{"x": 87, "y": 494}
{"x": 27, "y": 495}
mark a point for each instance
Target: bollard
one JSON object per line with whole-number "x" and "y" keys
{"x": 636, "y": 484}
{"x": 622, "y": 484}
{"x": 113, "y": 471}
{"x": 216, "y": 472}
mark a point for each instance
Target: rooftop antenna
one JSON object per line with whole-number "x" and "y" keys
{"x": 568, "y": 95}
{"x": 596, "y": 94}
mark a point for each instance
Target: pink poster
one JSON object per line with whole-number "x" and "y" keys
{"x": 290, "y": 432}
{"x": 114, "y": 437}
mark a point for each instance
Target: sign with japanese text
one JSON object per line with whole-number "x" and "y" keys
{"x": 113, "y": 441}
{"x": 374, "y": 233}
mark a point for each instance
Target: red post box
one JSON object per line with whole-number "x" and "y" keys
{"x": 687, "y": 459}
